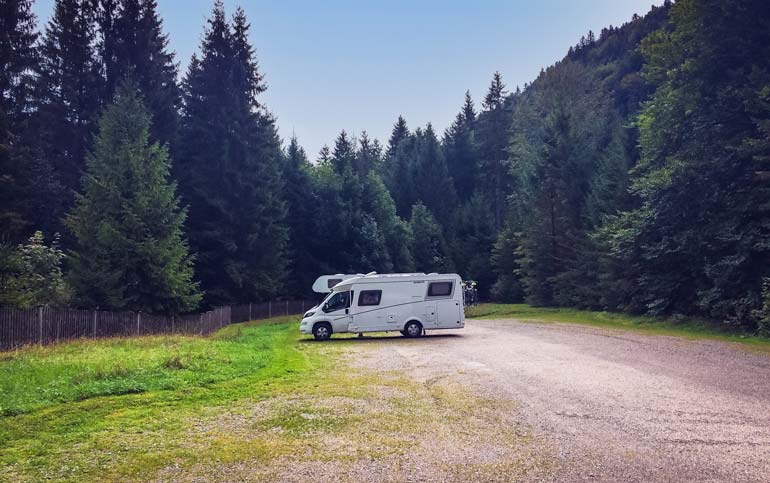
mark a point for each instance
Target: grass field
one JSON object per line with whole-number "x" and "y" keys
{"x": 115, "y": 408}
{"x": 686, "y": 328}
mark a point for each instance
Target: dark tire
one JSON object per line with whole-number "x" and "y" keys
{"x": 412, "y": 329}
{"x": 322, "y": 331}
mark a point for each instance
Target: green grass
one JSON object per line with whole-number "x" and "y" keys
{"x": 686, "y": 328}
{"x": 117, "y": 409}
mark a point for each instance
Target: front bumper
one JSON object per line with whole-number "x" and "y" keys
{"x": 305, "y": 327}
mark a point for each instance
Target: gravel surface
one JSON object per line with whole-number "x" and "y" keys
{"x": 610, "y": 405}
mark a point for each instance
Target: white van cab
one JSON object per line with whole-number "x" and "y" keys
{"x": 410, "y": 303}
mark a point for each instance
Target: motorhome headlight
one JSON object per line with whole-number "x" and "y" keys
{"x": 309, "y": 313}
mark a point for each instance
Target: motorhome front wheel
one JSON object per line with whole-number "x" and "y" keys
{"x": 322, "y": 331}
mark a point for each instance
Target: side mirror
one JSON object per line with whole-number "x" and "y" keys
{"x": 347, "y": 311}
{"x": 325, "y": 308}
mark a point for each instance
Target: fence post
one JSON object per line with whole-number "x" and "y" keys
{"x": 303, "y": 306}
{"x": 287, "y": 307}
{"x": 138, "y": 319}
{"x": 40, "y": 323}
{"x": 94, "y": 332}
{"x": 172, "y": 324}
{"x": 249, "y": 312}
{"x": 269, "y": 309}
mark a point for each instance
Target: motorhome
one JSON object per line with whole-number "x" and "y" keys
{"x": 409, "y": 303}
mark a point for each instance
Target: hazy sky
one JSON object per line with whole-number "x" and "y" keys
{"x": 355, "y": 65}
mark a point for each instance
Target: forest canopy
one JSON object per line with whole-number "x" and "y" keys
{"x": 632, "y": 175}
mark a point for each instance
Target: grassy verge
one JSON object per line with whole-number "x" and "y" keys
{"x": 687, "y": 328}
{"x": 114, "y": 409}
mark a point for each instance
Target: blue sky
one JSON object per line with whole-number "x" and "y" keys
{"x": 355, "y": 65}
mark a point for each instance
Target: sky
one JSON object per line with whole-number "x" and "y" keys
{"x": 357, "y": 65}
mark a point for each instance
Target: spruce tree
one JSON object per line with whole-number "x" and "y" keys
{"x": 433, "y": 186}
{"x": 135, "y": 47}
{"x": 460, "y": 150}
{"x": 492, "y": 137}
{"x": 130, "y": 253}
{"x": 67, "y": 97}
{"x": 547, "y": 242}
{"x": 302, "y": 217}
{"x": 368, "y": 157}
{"x": 344, "y": 154}
{"x": 399, "y": 168}
{"x": 324, "y": 155}
{"x": 472, "y": 238}
{"x": 17, "y": 63}
{"x": 429, "y": 248}
{"x": 399, "y": 133}
{"x": 230, "y": 169}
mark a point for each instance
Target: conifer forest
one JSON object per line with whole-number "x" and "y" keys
{"x": 633, "y": 175}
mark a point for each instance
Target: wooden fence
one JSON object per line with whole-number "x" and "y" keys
{"x": 49, "y": 325}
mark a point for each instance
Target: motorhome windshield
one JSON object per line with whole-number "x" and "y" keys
{"x": 337, "y": 301}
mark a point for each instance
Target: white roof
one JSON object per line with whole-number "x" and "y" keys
{"x": 394, "y": 277}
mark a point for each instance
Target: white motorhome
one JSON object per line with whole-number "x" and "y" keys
{"x": 410, "y": 303}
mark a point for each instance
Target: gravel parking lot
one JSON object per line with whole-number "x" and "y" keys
{"x": 609, "y": 405}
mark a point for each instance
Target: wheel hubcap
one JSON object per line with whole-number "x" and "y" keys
{"x": 413, "y": 330}
{"x": 322, "y": 332}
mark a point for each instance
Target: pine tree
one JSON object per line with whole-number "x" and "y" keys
{"x": 130, "y": 250}
{"x": 505, "y": 264}
{"x": 134, "y": 46}
{"x": 399, "y": 133}
{"x": 324, "y": 155}
{"x": 17, "y": 62}
{"x": 428, "y": 245}
{"x": 302, "y": 216}
{"x": 230, "y": 169}
{"x": 460, "y": 150}
{"x": 395, "y": 231}
{"x": 67, "y": 98}
{"x": 399, "y": 168}
{"x": 434, "y": 187}
{"x": 546, "y": 244}
{"x": 472, "y": 239}
{"x": 344, "y": 154}
{"x": 492, "y": 141}
{"x": 368, "y": 157}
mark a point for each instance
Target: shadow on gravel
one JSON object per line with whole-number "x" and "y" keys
{"x": 380, "y": 338}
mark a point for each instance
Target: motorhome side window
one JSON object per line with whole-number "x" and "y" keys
{"x": 440, "y": 289}
{"x": 369, "y": 297}
{"x": 338, "y": 301}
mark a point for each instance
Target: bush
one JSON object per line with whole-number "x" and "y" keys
{"x": 31, "y": 275}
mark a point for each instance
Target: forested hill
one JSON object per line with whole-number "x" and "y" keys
{"x": 572, "y": 145}
{"x": 631, "y": 175}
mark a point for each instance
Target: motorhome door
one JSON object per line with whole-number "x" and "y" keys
{"x": 447, "y": 309}
{"x": 337, "y": 309}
